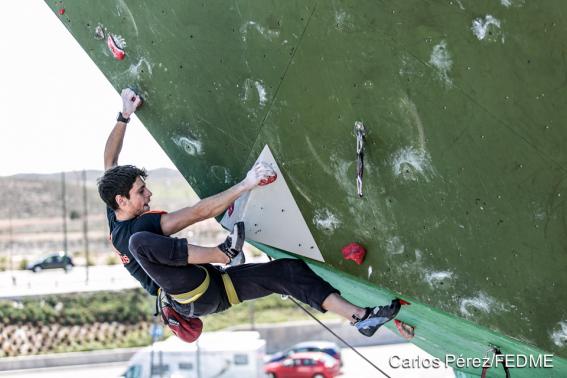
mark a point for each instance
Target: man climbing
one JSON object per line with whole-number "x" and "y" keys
{"x": 190, "y": 284}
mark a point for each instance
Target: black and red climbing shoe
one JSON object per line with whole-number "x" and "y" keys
{"x": 376, "y": 317}
{"x": 232, "y": 246}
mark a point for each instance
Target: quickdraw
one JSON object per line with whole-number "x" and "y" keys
{"x": 360, "y": 135}
{"x": 496, "y": 351}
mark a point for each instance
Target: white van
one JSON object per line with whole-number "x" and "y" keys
{"x": 214, "y": 354}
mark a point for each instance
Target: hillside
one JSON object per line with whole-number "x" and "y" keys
{"x": 31, "y": 221}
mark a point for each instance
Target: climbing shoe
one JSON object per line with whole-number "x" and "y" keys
{"x": 232, "y": 246}
{"x": 376, "y": 317}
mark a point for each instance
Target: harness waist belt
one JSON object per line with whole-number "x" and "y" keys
{"x": 193, "y": 295}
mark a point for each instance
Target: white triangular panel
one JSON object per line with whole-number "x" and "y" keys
{"x": 271, "y": 216}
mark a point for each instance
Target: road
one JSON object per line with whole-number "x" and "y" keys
{"x": 19, "y": 283}
{"x": 354, "y": 366}
{"x": 83, "y": 371}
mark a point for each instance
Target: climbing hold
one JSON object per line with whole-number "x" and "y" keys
{"x": 139, "y": 96}
{"x": 61, "y": 11}
{"x": 407, "y": 331}
{"x": 99, "y": 32}
{"x": 117, "y": 52}
{"x": 354, "y": 252}
{"x": 268, "y": 180}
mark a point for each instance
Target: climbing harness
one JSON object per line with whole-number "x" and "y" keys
{"x": 193, "y": 295}
{"x": 360, "y": 135}
{"x": 189, "y": 328}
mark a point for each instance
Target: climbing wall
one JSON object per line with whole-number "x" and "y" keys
{"x": 463, "y": 102}
{"x": 271, "y": 216}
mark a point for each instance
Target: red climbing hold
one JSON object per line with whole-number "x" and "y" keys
{"x": 61, "y": 11}
{"x": 407, "y": 331}
{"x": 117, "y": 52}
{"x": 354, "y": 252}
{"x": 230, "y": 209}
{"x": 268, "y": 180}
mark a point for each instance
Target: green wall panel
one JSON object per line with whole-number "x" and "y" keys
{"x": 465, "y": 180}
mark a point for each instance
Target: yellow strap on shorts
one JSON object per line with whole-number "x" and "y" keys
{"x": 230, "y": 290}
{"x": 193, "y": 295}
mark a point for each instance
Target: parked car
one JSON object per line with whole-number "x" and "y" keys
{"x": 310, "y": 346}
{"x": 304, "y": 365}
{"x": 54, "y": 261}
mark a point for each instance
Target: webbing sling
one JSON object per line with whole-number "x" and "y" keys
{"x": 230, "y": 290}
{"x": 193, "y": 295}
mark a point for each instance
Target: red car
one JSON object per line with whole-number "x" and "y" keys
{"x": 304, "y": 365}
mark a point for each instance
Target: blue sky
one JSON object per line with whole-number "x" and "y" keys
{"x": 57, "y": 108}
